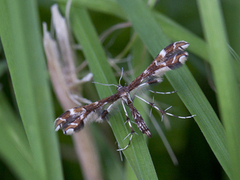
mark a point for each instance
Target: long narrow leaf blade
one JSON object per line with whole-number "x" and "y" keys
{"x": 14, "y": 147}
{"x": 20, "y": 34}
{"x": 190, "y": 93}
{"x": 137, "y": 154}
{"x": 224, "y": 75}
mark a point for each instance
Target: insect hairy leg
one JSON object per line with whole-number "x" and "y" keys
{"x": 171, "y": 57}
{"x": 164, "y": 111}
{"x": 131, "y": 128}
{"x": 157, "y": 92}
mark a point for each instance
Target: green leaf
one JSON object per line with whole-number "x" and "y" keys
{"x": 226, "y": 83}
{"x": 3, "y": 67}
{"x": 137, "y": 154}
{"x": 21, "y": 38}
{"x": 151, "y": 34}
{"x": 14, "y": 147}
{"x": 173, "y": 30}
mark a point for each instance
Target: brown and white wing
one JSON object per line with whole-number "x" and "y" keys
{"x": 73, "y": 120}
{"x": 169, "y": 58}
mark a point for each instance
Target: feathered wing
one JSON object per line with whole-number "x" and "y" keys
{"x": 171, "y": 57}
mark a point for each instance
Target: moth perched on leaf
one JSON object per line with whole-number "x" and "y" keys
{"x": 171, "y": 57}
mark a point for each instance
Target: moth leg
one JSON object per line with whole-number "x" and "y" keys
{"x": 139, "y": 121}
{"x": 164, "y": 111}
{"x": 131, "y": 128}
{"x": 128, "y": 119}
{"x": 154, "y": 80}
{"x": 131, "y": 122}
{"x": 157, "y": 92}
{"x": 106, "y": 112}
{"x": 130, "y": 139}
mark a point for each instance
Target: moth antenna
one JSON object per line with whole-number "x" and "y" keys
{"x": 105, "y": 84}
{"x": 119, "y": 81}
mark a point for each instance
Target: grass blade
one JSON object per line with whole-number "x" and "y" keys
{"x": 190, "y": 93}
{"x": 20, "y": 34}
{"x": 173, "y": 30}
{"x": 14, "y": 141}
{"x": 224, "y": 75}
{"x": 137, "y": 154}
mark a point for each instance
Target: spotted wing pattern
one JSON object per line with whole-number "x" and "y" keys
{"x": 169, "y": 58}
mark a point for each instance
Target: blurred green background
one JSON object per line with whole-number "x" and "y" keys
{"x": 196, "y": 158}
